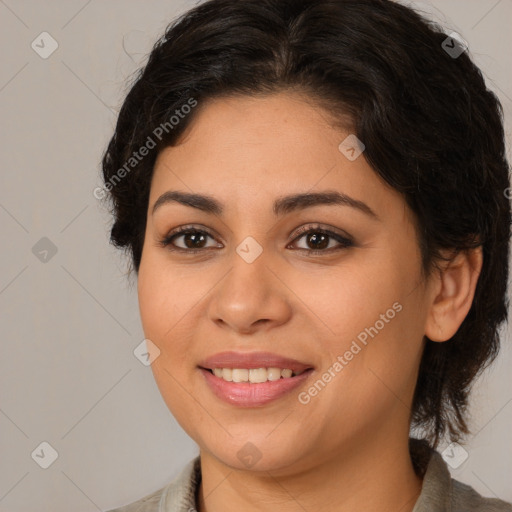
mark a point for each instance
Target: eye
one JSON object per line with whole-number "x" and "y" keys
{"x": 322, "y": 240}
{"x": 192, "y": 240}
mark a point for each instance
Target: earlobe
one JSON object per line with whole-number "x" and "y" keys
{"x": 453, "y": 293}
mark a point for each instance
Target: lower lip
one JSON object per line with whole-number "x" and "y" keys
{"x": 246, "y": 394}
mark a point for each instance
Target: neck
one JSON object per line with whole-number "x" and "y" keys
{"x": 376, "y": 475}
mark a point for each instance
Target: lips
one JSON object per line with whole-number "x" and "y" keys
{"x": 252, "y": 360}
{"x": 247, "y": 394}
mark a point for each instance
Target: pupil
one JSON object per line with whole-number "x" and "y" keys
{"x": 315, "y": 237}
{"x": 193, "y": 238}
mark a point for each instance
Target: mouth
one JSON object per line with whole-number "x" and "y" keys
{"x": 253, "y": 379}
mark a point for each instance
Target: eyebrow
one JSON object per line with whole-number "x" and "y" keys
{"x": 283, "y": 205}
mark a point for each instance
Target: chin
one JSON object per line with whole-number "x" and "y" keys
{"x": 257, "y": 456}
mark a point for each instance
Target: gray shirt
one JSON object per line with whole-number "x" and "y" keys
{"x": 439, "y": 493}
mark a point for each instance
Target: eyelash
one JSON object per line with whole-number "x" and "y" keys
{"x": 344, "y": 241}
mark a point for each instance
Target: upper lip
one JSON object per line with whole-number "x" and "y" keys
{"x": 252, "y": 360}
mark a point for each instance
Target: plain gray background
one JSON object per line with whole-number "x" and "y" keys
{"x": 69, "y": 325}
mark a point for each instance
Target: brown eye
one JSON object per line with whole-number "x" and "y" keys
{"x": 187, "y": 240}
{"x": 193, "y": 239}
{"x": 319, "y": 240}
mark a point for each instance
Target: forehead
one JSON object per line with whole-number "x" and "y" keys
{"x": 250, "y": 150}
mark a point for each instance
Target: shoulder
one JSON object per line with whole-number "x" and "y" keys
{"x": 176, "y": 496}
{"x": 149, "y": 503}
{"x": 442, "y": 493}
{"x": 465, "y": 499}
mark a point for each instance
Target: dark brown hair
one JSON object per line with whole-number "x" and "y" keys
{"x": 431, "y": 128}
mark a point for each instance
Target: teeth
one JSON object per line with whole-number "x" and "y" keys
{"x": 240, "y": 375}
{"x": 253, "y": 375}
{"x": 258, "y": 375}
{"x": 218, "y": 372}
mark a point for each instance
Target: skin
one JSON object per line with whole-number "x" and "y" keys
{"x": 348, "y": 446}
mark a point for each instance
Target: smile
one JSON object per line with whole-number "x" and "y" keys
{"x": 245, "y": 393}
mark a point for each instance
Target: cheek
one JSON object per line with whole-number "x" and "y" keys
{"x": 381, "y": 357}
{"x": 165, "y": 297}
{"x": 371, "y": 316}
{"x": 166, "y": 309}
{"x": 348, "y": 297}
{"x": 155, "y": 311}
{"x": 171, "y": 300}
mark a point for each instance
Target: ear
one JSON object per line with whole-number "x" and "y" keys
{"x": 453, "y": 289}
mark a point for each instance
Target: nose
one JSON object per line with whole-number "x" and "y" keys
{"x": 250, "y": 297}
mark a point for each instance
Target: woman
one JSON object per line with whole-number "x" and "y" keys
{"x": 313, "y": 196}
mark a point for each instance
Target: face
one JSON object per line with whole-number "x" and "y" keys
{"x": 333, "y": 285}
